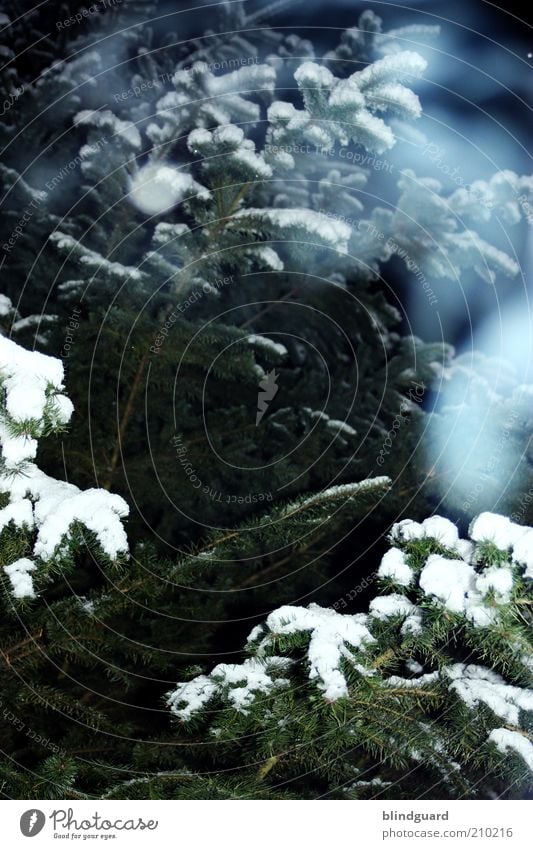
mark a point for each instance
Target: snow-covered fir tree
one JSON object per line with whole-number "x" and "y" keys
{"x": 429, "y": 692}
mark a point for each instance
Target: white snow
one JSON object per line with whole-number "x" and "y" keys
{"x": 230, "y": 141}
{"x": 165, "y": 233}
{"x": 87, "y": 604}
{"x": 195, "y": 694}
{"x": 16, "y": 450}
{"x": 447, "y": 580}
{"x": 252, "y": 161}
{"x": 385, "y": 606}
{"x": 318, "y": 226}
{"x": 230, "y": 134}
{"x": 344, "y": 109}
{"x": 255, "y": 633}
{"x": 199, "y": 138}
{"x": 32, "y": 385}
{"x": 253, "y": 676}
{"x": 341, "y": 427}
{"x": 523, "y": 551}
{"x": 347, "y": 489}
{"x": 20, "y": 577}
{"x": 400, "y": 98}
{"x": 106, "y": 119}
{"x": 280, "y": 110}
{"x": 422, "y": 680}
{"x": 332, "y": 638}
{"x": 466, "y": 549}
{"x": 526, "y": 659}
{"x": 436, "y": 527}
{"x": 346, "y": 94}
{"x": 62, "y": 407}
{"x": 26, "y": 376}
{"x": 442, "y": 530}
{"x": 269, "y": 344}
{"x": 31, "y": 321}
{"x": 267, "y": 256}
{"x": 413, "y": 623}
{"x": 29, "y": 380}
{"x": 394, "y": 565}
{"x": 505, "y": 740}
{"x": 5, "y": 305}
{"x": 253, "y": 77}
{"x": 94, "y": 259}
{"x": 455, "y": 584}
{"x": 372, "y": 782}
{"x": 390, "y": 68}
{"x": 475, "y": 684}
{"x": 406, "y": 530}
{"x": 496, "y": 578}
{"x": 313, "y": 75}
{"x": 57, "y": 504}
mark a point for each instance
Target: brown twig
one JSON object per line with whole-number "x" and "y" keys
{"x": 7, "y": 655}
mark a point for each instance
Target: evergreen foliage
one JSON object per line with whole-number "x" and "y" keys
{"x": 384, "y": 704}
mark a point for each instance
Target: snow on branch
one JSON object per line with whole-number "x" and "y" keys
{"x": 157, "y": 188}
{"x": 425, "y": 228}
{"x": 51, "y": 507}
{"x": 93, "y": 260}
{"x": 42, "y": 509}
{"x": 345, "y": 110}
{"x": 431, "y": 583}
{"x": 106, "y": 120}
{"x": 367, "y": 41}
{"x": 332, "y": 637}
{"x": 227, "y": 147}
{"x": 506, "y": 536}
{"x": 475, "y": 685}
{"x": 239, "y": 682}
{"x": 298, "y": 224}
{"x": 33, "y": 401}
{"x": 512, "y": 741}
{"x": 203, "y": 99}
